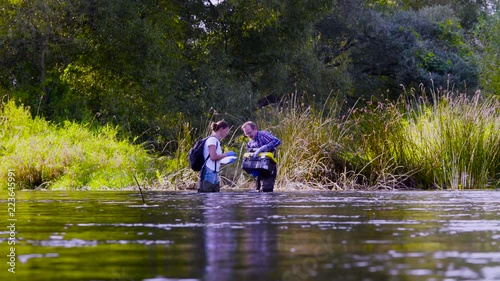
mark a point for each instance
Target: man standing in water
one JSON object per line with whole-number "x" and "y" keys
{"x": 261, "y": 141}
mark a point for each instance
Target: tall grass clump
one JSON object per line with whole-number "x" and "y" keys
{"x": 310, "y": 139}
{"x": 374, "y": 144}
{"x": 66, "y": 156}
{"x": 176, "y": 173}
{"x": 454, "y": 142}
{"x": 449, "y": 142}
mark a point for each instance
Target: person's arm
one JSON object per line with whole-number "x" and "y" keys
{"x": 213, "y": 153}
{"x": 271, "y": 141}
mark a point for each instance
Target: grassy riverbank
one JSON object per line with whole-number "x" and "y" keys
{"x": 450, "y": 143}
{"x": 66, "y": 156}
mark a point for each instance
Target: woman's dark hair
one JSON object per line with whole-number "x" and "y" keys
{"x": 219, "y": 125}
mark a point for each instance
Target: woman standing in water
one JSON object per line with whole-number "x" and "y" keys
{"x": 212, "y": 152}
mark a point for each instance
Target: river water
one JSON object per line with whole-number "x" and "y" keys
{"x": 112, "y": 235}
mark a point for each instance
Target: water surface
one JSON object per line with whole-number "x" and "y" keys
{"x": 111, "y": 235}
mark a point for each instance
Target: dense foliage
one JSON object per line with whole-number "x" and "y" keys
{"x": 149, "y": 66}
{"x": 159, "y": 70}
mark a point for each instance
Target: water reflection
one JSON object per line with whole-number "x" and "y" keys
{"x": 219, "y": 241}
{"x": 254, "y": 236}
{"x": 237, "y": 240}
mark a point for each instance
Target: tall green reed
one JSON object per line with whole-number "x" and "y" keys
{"x": 454, "y": 142}
{"x": 450, "y": 141}
{"x": 310, "y": 139}
{"x": 375, "y": 145}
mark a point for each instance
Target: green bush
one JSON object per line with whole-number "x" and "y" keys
{"x": 66, "y": 156}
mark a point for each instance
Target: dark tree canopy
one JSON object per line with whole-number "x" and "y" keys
{"x": 150, "y": 66}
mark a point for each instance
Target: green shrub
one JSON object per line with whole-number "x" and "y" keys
{"x": 66, "y": 156}
{"x": 455, "y": 142}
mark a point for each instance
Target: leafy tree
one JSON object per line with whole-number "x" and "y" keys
{"x": 151, "y": 65}
{"x": 80, "y": 59}
{"x": 247, "y": 38}
{"x": 38, "y": 39}
{"x": 467, "y": 11}
{"x": 488, "y": 35}
{"x": 405, "y": 48}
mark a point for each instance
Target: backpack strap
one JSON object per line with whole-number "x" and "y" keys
{"x": 216, "y": 146}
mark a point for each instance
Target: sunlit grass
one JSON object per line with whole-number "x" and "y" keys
{"x": 448, "y": 142}
{"x": 66, "y": 156}
{"x": 452, "y": 142}
{"x": 455, "y": 142}
{"x": 310, "y": 142}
